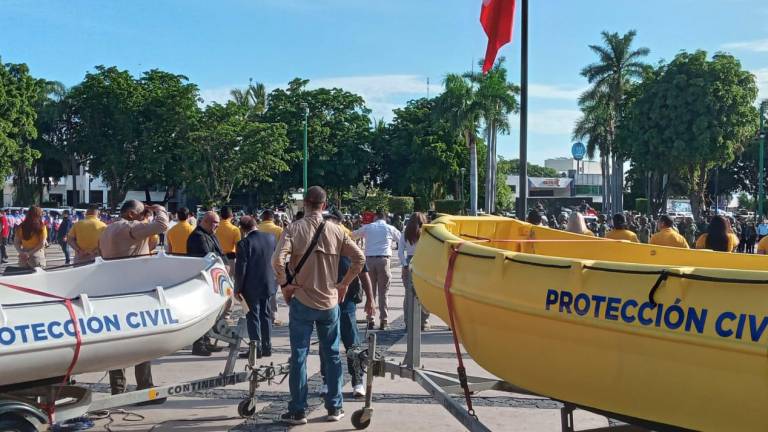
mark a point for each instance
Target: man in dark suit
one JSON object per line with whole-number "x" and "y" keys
{"x": 200, "y": 243}
{"x": 255, "y": 283}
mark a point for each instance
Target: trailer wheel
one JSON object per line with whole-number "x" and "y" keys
{"x": 357, "y": 420}
{"x": 15, "y": 423}
{"x": 244, "y": 408}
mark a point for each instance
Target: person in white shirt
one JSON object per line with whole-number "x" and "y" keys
{"x": 405, "y": 250}
{"x": 379, "y": 237}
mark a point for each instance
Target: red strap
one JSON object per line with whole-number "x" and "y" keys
{"x": 462, "y": 372}
{"x": 50, "y": 408}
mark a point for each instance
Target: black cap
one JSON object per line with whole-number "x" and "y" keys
{"x": 336, "y": 214}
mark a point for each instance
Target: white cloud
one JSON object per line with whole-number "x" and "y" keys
{"x": 217, "y": 94}
{"x": 545, "y": 91}
{"x": 759, "y": 45}
{"x": 383, "y": 93}
{"x": 762, "y": 82}
{"x": 549, "y": 121}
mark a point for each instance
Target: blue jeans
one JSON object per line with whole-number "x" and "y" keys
{"x": 349, "y": 337}
{"x": 301, "y": 321}
{"x": 65, "y": 249}
{"x": 260, "y": 323}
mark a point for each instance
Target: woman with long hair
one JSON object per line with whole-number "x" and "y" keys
{"x": 30, "y": 239}
{"x": 719, "y": 236}
{"x": 576, "y": 224}
{"x": 405, "y": 249}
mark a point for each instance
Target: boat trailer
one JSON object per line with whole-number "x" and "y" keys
{"x": 23, "y": 409}
{"x": 443, "y": 386}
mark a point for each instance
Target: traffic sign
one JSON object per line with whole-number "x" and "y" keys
{"x": 578, "y": 150}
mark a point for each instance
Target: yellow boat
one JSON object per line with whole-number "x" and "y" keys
{"x": 672, "y": 336}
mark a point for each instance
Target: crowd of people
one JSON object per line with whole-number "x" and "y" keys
{"x": 324, "y": 264}
{"x": 716, "y": 232}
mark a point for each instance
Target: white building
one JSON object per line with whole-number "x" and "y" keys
{"x": 90, "y": 189}
{"x": 585, "y": 184}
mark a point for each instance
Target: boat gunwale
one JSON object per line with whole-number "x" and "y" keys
{"x": 198, "y": 275}
{"x": 681, "y": 271}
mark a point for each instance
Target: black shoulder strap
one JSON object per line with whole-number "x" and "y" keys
{"x": 308, "y": 252}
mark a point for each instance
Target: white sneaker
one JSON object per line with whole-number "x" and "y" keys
{"x": 324, "y": 389}
{"x": 358, "y": 391}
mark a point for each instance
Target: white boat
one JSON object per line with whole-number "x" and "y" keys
{"x": 127, "y": 310}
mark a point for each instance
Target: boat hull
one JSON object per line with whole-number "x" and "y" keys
{"x": 37, "y": 340}
{"x": 525, "y": 319}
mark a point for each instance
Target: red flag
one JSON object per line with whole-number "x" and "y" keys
{"x": 497, "y": 18}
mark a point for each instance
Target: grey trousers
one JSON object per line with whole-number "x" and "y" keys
{"x": 381, "y": 275}
{"x": 143, "y": 373}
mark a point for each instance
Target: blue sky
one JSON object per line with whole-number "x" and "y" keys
{"x": 384, "y": 50}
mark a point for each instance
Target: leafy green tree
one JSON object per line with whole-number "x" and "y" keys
{"x": 694, "y": 115}
{"x": 52, "y": 123}
{"x": 497, "y": 100}
{"x": 167, "y": 114}
{"x": 133, "y": 132}
{"x": 107, "y": 135}
{"x": 618, "y": 65}
{"x": 18, "y": 94}
{"x": 229, "y": 151}
{"x": 512, "y": 166}
{"x": 339, "y": 136}
{"x": 433, "y": 151}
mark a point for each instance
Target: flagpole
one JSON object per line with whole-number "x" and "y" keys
{"x": 522, "y": 208}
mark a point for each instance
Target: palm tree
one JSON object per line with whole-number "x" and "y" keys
{"x": 253, "y": 97}
{"x": 460, "y": 107}
{"x": 593, "y": 127}
{"x": 617, "y": 67}
{"x": 497, "y": 100}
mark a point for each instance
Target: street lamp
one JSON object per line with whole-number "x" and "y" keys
{"x": 306, "y": 150}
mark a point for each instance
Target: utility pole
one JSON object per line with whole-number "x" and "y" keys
{"x": 761, "y": 157}
{"x": 306, "y": 149}
{"x": 522, "y": 208}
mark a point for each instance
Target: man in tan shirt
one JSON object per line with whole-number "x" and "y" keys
{"x": 313, "y": 298}
{"x": 130, "y": 236}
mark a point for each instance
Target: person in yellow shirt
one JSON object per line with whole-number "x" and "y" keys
{"x": 29, "y": 239}
{"x": 719, "y": 236}
{"x": 667, "y": 236}
{"x": 85, "y": 234}
{"x": 228, "y": 235}
{"x": 620, "y": 231}
{"x": 178, "y": 234}
{"x": 762, "y": 246}
{"x": 268, "y": 224}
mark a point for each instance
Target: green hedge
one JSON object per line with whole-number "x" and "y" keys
{"x": 401, "y": 205}
{"x": 454, "y": 207}
{"x": 375, "y": 202}
{"x": 421, "y": 204}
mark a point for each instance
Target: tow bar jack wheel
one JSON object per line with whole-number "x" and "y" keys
{"x": 361, "y": 418}
{"x": 246, "y": 408}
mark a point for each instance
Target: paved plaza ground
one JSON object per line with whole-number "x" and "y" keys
{"x": 400, "y": 405}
